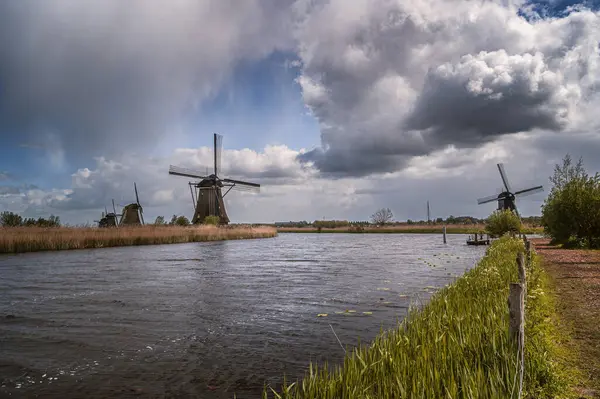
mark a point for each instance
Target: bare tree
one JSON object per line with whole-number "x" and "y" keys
{"x": 382, "y": 216}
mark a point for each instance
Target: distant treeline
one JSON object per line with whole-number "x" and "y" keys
{"x": 11, "y": 219}
{"x": 533, "y": 221}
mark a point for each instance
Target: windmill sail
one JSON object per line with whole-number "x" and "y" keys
{"x": 506, "y": 199}
{"x": 218, "y": 149}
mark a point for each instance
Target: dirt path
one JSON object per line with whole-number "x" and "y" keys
{"x": 576, "y": 277}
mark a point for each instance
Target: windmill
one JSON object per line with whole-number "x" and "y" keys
{"x": 428, "y": 213}
{"x": 109, "y": 219}
{"x": 207, "y": 191}
{"x": 506, "y": 199}
{"x": 132, "y": 214}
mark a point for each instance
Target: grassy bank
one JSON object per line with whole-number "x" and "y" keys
{"x": 456, "y": 346}
{"x": 414, "y": 229}
{"x": 31, "y": 239}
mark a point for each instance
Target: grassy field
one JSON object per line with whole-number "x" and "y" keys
{"x": 456, "y": 346}
{"x": 31, "y": 239}
{"x": 425, "y": 229}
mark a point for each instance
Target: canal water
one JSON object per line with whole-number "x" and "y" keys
{"x": 207, "y": 319}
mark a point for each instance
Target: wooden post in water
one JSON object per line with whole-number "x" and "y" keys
{"x": 444, "y": 234}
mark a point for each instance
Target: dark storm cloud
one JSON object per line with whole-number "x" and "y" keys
{"x": 460, "y": 74}
{"x": 340, "y": 163}
{"x": 489, "y": 95}
{"x": 101, "y": 76}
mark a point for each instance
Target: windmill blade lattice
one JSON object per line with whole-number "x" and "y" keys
{"x": 529, "y": 191}
{"x": 504, "y": 178}
{"x": 217, "y": 151}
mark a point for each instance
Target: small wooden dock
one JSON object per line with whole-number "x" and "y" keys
{"x": 478, "y": 239}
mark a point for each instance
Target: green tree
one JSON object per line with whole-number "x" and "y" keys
{"x": 212, "y": 220}
{"x": 572, "y": 211}
{"x": 182, "y": 221}
{"x": 54, "y": 221}
{"x": 10, "y": 219}
{"x": 28, "y": 222}
{"x": 566, "y": 172}
{"x": 159, "y": 221}
{"x": 501, "y": 222}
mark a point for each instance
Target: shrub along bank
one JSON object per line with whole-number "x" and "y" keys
{"x": 456, "y": 346}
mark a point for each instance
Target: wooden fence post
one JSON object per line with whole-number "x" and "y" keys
{"x": 444, "y": 234}
{"x": 516, "y": 310}
{"x": 521, "y": 266}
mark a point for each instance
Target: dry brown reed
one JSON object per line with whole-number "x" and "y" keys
{"x": 31, "y": 239}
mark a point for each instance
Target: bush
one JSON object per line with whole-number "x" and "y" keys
{"x": 571, "y": 213}
{"x": 501, "y": 222}
{"x": 330, "y": 224}
{"x": 181, "y": 221}
{"x": 213, "y": 220}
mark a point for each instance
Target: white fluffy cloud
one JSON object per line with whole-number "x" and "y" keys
{"x": 390, "y": 80}
{"x": 276, "y": 163}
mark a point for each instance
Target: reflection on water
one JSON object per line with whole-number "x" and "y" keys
{"x": 206, "y": 319}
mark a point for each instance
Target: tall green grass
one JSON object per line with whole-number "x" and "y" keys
{"x": 456, "y": 346}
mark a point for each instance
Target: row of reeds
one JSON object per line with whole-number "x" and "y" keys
{"x": 408, "y": 229}
{"x": 456, "y": 346}
{"x": 31, "y": 239}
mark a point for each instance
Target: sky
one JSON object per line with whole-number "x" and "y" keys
{"x": 337, "y": 108}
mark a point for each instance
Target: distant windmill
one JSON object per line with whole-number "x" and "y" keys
{"x": 133, "y": 214}
{"x": 207, "y": 194}
{"x": 109, "y": 219}
{"x": 506, "y": 199}
{"x": 428, "y": 213}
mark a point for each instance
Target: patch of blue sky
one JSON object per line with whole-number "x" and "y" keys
{"x": 261, "y": 104}
{"x": 557, "y": 8}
